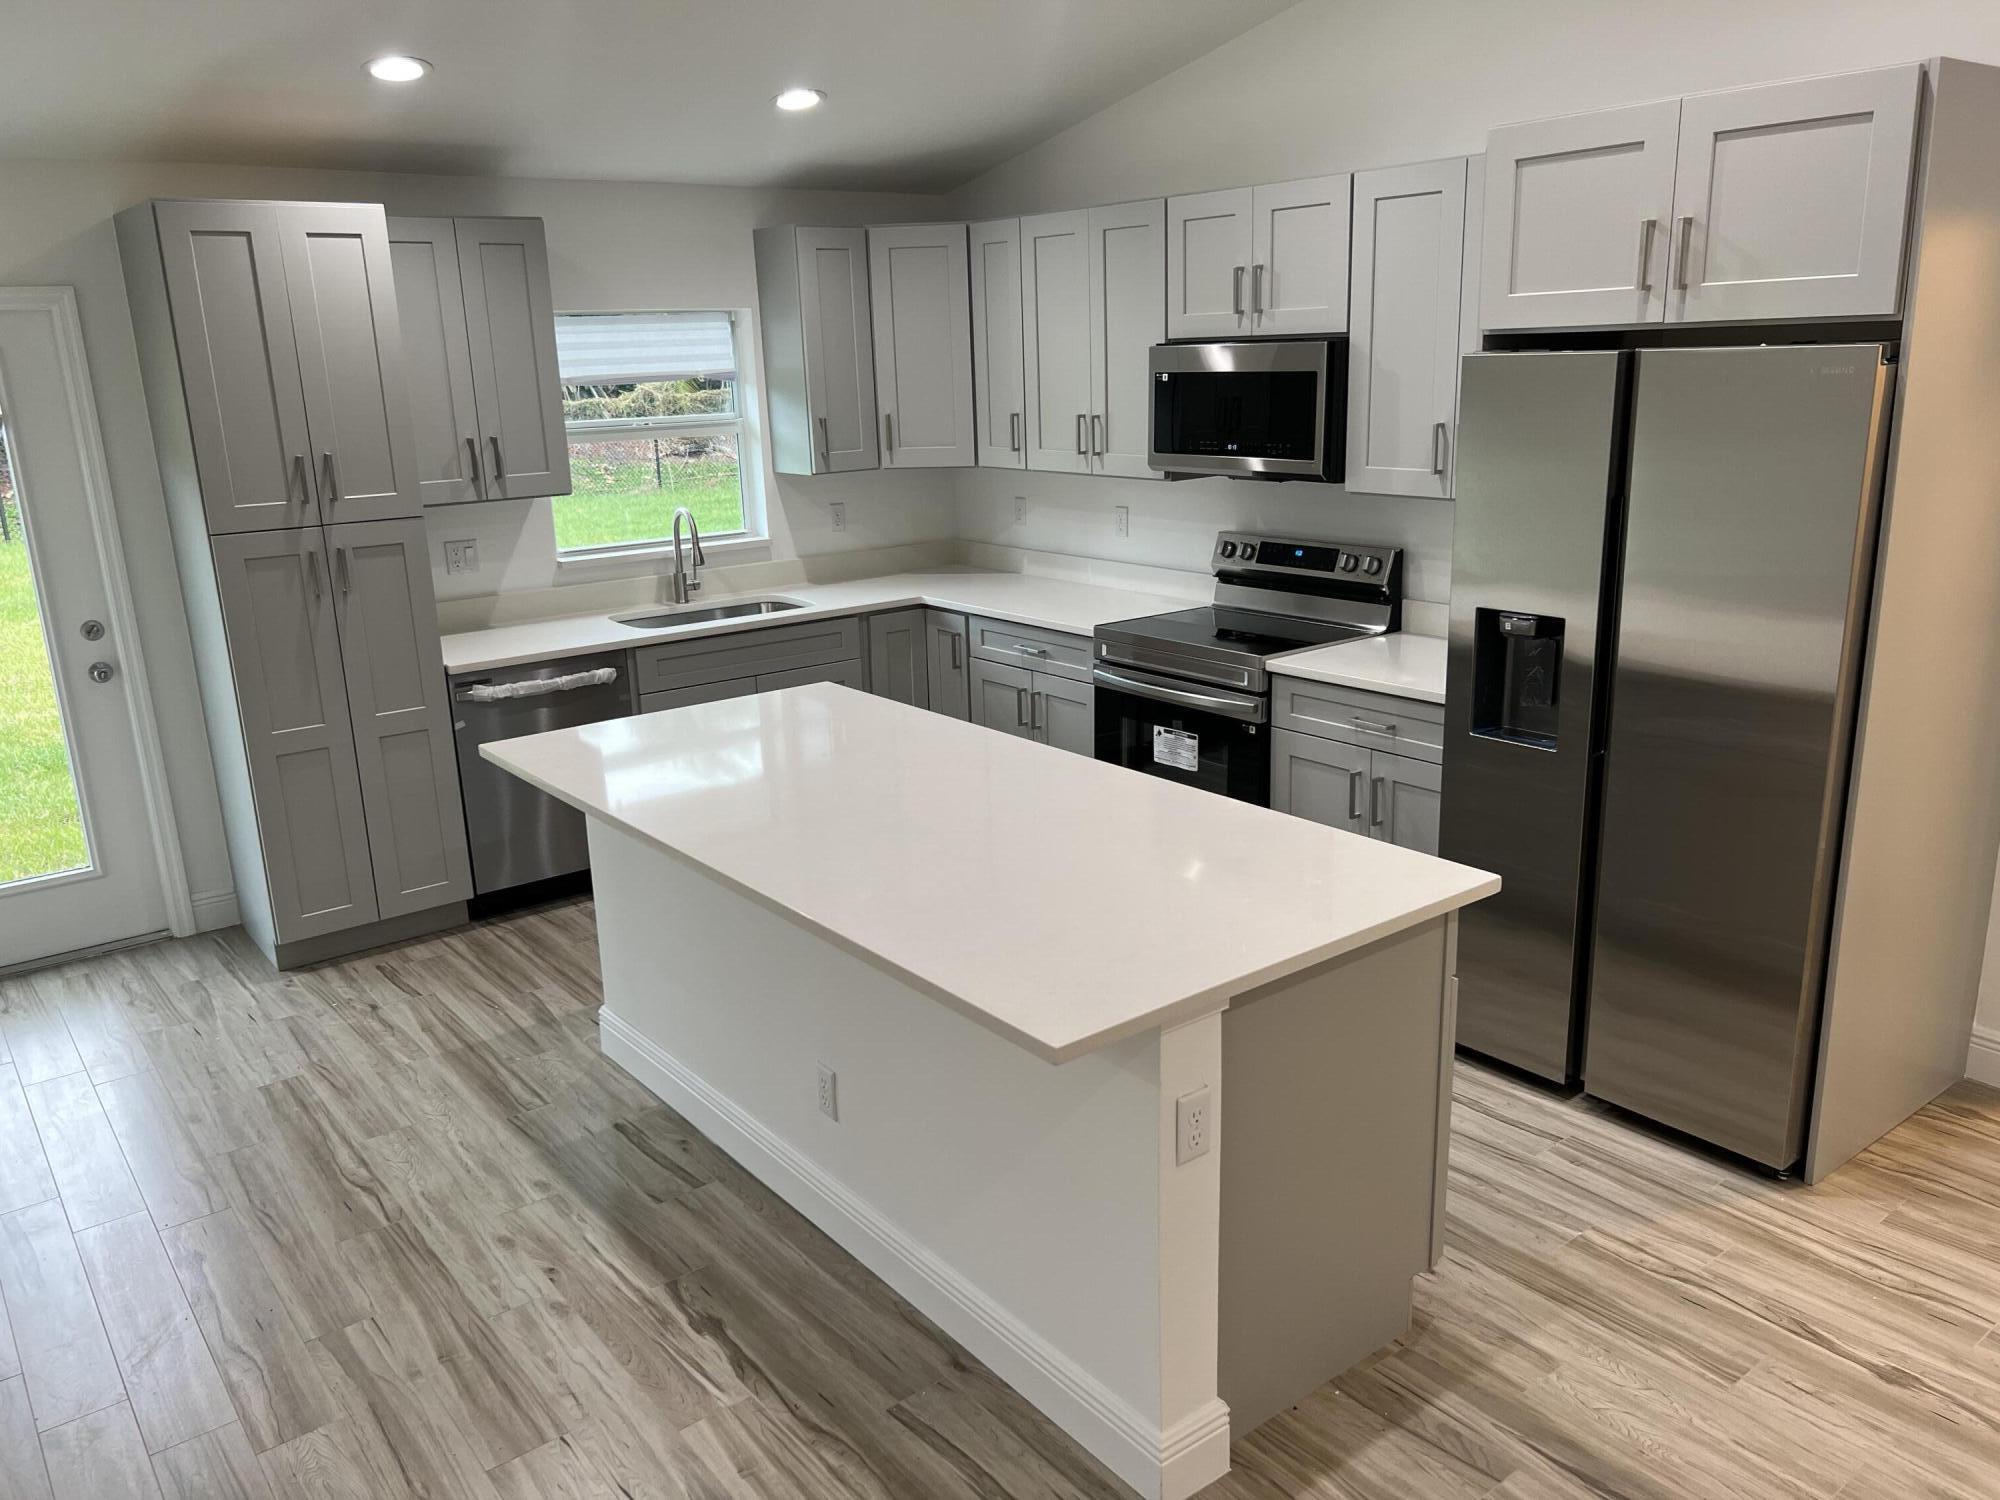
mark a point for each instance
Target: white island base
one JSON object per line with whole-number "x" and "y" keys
{"x": 1012, "y": 1176}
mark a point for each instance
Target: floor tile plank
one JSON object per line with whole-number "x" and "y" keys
{"x": 217, "y": 1465}
{"x": 24, "y": 1167}
{"x": 175, "y": 1177}
{"x": 99, "y": 1457}
{"x": 83, "y": 1153}
{"x": 23, "y": 1474}
{"x": 63, "y": 1350}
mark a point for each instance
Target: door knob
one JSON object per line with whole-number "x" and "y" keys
{"x": 102, "y": 671}
{"x": 91, "y": 630}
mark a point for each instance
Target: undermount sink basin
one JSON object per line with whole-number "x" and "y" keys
{"x": 703, "y": 614}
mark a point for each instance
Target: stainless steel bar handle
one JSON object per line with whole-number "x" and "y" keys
{"x": 825, "y": 444}
{"x": 1034, "y": 713}
{"x": 1373, "y": 726}
{"x": 1375, "y": 802}
{"x": 1021, "y": 706}
{"x": 1437, "y": 447}
{"x": 305, "y": 484}
{"x": 957, "y": 650}
{"x": 312, "y": 571}
{"x": 1648, "y": 228}
{"x": 1082, "y": 443}
{"x": 888, "y": 434}
{"x": 1013, "y": 434}
{"x": 472, "y": 456}
{"x": 1236, "y": 292}
{"x": 340, "y": 568}
{"x": 1686, "y": 232}
{"x": 499, "y": 459}
{"x": 332, "y": 479}
{"x": 1097, "y": 434}
{"x": 1354, "y": 779}
{"x": 1250, "y": 710}
{"x": 1032, "y": 650}
{"x": 1257, "y": 290}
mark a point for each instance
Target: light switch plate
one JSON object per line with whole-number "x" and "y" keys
{"x": 461, "y": 557}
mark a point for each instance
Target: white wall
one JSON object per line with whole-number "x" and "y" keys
{"x": 611, "y": 245}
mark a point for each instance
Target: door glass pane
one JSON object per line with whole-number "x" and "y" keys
{"x": 41, "y": 821}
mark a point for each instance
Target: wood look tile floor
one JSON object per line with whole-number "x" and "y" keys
{"x": 393, "y": 1227}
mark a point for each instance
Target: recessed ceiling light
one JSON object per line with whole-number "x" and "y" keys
{"x": 798, "y": 99}
{"x": 395, "y": 68}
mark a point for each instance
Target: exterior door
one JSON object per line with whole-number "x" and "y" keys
{"x": 1403, "y": 801}
{"x": 1577, "y": 218}
{"x": 1321, "y": 780}
{"x": 899, "y": 657}
{"x": 401, "y": 713}
{"x": 510, "y": 325}
{"x": 1298, "y": 256}
{"x": 343, "y": 298}
{"x": 430, "y": 303}
{"x": 999, "y": 407}
{"x": 1208, "y": 264}
{"x": 1128, "y": 271}
{"x": 1063, "y": 714}
{"x": 1055, "y": 339}
{"x": 1402, "y": 404}
{"x": 1790, "y": 200}
{"x": 239, "y": 359}
{"x": 945, "y": 652}
{"x": 919, "y": 292}
{"x": 284, "y": 652}
{"x": 79, "y": 865}
{"x": 839, "y": 348}
{"x": 1000, "y": 697}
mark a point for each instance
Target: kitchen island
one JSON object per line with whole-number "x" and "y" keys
{"x": 1140, "y": 1093}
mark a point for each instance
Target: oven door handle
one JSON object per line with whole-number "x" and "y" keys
{"x": 1229, "y": 705}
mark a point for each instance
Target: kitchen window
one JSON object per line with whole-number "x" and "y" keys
{"x": 650, "y": 404}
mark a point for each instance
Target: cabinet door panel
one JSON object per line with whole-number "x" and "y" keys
{"x": 1404, "y": 798}
{"x": 343, "y": 300}
{"x": 1000, "y": 697}
{"x": 1208, "y": 264}
{"x": 402, "y": 715}
{"x": 1064, "y": 714}
{"x": 1578, "y": 212}
{"x": 430, "y": 303}
{"x": 503, "y": 270}
{"x": 997, "y": 391}
{"x": 1402, "y": 404}
{"x": 946, "y": 651}
{"x": 920, "y": 292}
{"x": 846, "y": 673}
{"x": 1127, "y": 317}
{"x": 899, "y": 657}
{"x": 239, "y": 363}
{"x": 1055, "y": 310}
{"x": 839, "y": 348}
{"x": 1299, "y": 256}
{"x": 284, "y": 650}
{"x": 1322, "y": 780}
{"x": 1791, "y": 199}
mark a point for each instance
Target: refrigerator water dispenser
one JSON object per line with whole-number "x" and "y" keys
{"x": 1517, "y": 677}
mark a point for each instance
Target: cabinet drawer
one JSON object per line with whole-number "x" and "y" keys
{"x": 1027, "y": 646}
{"x": 750, "y": 653}
{"x": 708, "y": 692}
{"x": 1405, "y": 726}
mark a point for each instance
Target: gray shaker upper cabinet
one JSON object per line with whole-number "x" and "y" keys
{"x": 919, "y": 294}
{"x": 819, "y": 349}
{"x": 438, "y": 358}
{"x": 343, "y": 300}
{"x": 1000, "y": 412}
{"x": 1128, "y": 268}
{"x": 1055, "y": 339}
{"x": 1264, "y": 261}
{"x": 503, "y": 271}
{"x": 224, "y": 266}
{"x": 398, "y": 705}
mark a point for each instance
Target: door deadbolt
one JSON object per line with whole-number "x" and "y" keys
{"x": 92, "y": 630}
{"x": 102, "y": 671}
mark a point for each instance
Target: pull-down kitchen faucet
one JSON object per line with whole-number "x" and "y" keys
{"x": 686, "y": 580}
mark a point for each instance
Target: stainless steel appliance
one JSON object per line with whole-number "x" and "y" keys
{"x": 1270, "y": 410}
{"x": 1187, "y": 696}
{"x": 517, "y": 834}
{"x": 1661, "y": 569}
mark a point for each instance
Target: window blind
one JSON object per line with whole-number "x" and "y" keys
{"x": 630, "y": 348}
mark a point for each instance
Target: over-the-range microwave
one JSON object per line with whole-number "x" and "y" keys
{"x": 1275, "y": 409}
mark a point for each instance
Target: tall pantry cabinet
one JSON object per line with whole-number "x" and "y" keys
{"x": 271, "y": 352}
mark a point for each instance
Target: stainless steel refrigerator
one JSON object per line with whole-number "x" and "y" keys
{"x": 1660, "y": 578}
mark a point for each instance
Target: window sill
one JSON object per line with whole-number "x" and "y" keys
{"x": 653, "y": 556}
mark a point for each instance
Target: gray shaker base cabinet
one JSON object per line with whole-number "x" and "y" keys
{"x": 1393, "y": 798}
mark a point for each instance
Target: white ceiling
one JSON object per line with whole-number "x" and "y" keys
{"x": 923, "y": 94}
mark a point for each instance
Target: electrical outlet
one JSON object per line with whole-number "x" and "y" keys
{"x": 461, "y": 557}
{"x": 829, "y": 1095}
{"x": 1020, "y": 509}
{"x": 839, "y": 509}
{"x": 1121, "y": 519}
{"x": 1193, "y": 1126}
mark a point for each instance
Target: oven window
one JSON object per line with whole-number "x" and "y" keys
{"x": 1236, "y": 413}
{"x": 1204, "y": 750}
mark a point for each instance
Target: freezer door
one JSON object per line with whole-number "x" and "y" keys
{"x": 1748, "y": 560}
{"x": 1540, "y": 452}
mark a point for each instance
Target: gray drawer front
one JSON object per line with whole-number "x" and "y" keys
{"x": 708, "y": 692}
{"x": 747, "y": 653}
{"x": 1031, "y": 647}
{"x": 1404, "y": 726}
{"x": 847, "y": 674}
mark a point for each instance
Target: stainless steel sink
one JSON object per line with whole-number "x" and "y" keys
{"x": 703, "y": 614}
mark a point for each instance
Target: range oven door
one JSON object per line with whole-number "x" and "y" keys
{"x": 1200, "y": 736}
{"x": 1275, "y": 410}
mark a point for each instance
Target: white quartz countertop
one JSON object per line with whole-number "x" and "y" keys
{"x": 1019, "y": 598}
{"x": 1064, "y": 902}
{"x": 1405, "y": 665}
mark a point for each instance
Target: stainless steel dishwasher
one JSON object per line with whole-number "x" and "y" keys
{"x": 519, "y": 835}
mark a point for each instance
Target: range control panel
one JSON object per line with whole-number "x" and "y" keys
{"x": 1246, "y": 552}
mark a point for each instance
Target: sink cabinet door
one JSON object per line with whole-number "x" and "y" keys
{"x": 1000, "y": 697}
{"x": 1322, "y": 780}
{"x": 899, "y": 657}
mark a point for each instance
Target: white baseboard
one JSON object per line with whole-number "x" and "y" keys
{"x": 214, "y": 910}
{"x": 1982, "y": 1060}
{"x": 1161, "y": 1465}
